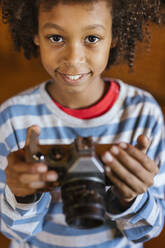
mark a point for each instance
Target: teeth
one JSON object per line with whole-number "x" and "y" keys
{"x": 75, "y": 77}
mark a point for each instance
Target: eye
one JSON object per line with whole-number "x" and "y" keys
{"x": 92, "y": 39}
{"x": 56, "y": 38}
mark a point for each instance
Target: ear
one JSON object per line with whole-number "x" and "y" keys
{"x": 36, "y": 40}
{"x": 114, "y": 42}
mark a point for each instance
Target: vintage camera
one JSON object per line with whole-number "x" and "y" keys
{"x": 81, "y": 177}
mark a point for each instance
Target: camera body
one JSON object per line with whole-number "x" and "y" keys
{"x": 81, "y": 176}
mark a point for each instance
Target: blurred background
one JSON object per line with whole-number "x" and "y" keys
{"x": 17, "y": 74}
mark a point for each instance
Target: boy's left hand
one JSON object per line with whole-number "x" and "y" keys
{"x": 129, "y": 169}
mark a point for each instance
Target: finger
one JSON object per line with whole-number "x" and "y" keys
{"x": 141, "y": 157}
{"x": 125, "y": 201}
{"x": 32, "y": 142}
{"x": 29, "y": 168}
{"x": 50, "y": 176}
{"x": 32, "y": 135}
{"x": 20, "y": 189}
{"x": 133, "y": 166}
{"x": 125, "y": 176}
{"x": 124, "y": 191}
{"x": 143, "y": 143}
{"x": 37, "y": 185}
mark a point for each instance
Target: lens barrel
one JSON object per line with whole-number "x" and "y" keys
{"x": 84, "y": 203}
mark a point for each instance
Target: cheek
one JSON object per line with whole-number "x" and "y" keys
{"x": 48, "y": 59}
{"x": 101, "y": 57}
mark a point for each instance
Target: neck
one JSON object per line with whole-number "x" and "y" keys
{"x": 79, "y": 99}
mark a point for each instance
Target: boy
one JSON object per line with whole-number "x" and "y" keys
{"x": 77, "y": 40}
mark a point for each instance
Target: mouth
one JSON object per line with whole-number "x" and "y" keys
{"x": 76, "y": 78}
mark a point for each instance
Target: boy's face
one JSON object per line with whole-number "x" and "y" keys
{"x": 74, "y": 41}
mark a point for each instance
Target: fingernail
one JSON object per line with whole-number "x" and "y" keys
{"x": 107, "y": 157}
{"x": 123, "y": 145}
{"x": 37, "y": 185}
{"x": 114, "y": 150}
{"x": 107, "y": 169}
{"x": 51, "y": 177}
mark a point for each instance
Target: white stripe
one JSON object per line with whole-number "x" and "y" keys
{"x": 159, "y": 180}
{"x": 76, "y": 241}
{"x": 26, "y": 227}
{"x": 3, "y": 162}
{"x": 157, "y": 229}
{"x": 14, "y": 204}
{"x": 23, "y": 98}
{"x": 56, "y": 218}
{"x": 14, "y": 215}
{"x": 153, "y": 214}
{"x": 5, "y": 228}
{"x": 15, "y": 244}
{"x": 27, "y": 120}
{"x": 2, "y": 185}
{"x": 123, "y": 137}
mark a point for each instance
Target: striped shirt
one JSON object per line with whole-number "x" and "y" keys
{"x": 42, "y": 224}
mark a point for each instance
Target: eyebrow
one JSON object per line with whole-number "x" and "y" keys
{"x": 53, "y": 25}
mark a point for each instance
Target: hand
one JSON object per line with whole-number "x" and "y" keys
{"x": 25, "y": 178}
{"x": 129, "y": 169}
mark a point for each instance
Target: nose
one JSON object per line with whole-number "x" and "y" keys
{"x": 75, "y": 55}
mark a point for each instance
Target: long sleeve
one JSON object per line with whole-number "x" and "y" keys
{"x": 21, "y": 221}
{"x": 15, "y": 218}
{"x": 43, "y": 224}
{"x": 145, "y": 218}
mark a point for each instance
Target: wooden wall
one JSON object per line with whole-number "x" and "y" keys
{"x": 17, "y": 74}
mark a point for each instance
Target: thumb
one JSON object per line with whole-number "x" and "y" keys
{"x": 143, "y": 143}
{"x": 32, "y": 142}
{"x": 32, "y": 135}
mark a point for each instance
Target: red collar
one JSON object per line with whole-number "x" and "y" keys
{"x": 99, "y": 108}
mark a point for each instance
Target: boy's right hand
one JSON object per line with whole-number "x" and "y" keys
{"x": 25, "y": 178}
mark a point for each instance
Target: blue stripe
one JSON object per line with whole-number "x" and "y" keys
{"x": 55, "y": 208}
{"x": 2, "y": 176}
{"x": 25, "y": 236}
{"x": 23, "y": 110}
{"x": 145, "y": 210}
{"x": 162, "y": 167}
{"x": 2, "y": 190}
{"x": 134, "y": 100}
{"x": 41, "y": 205}
{"x": 156, "y": 128}
{"x": 8, "y": 235}
{"x": 159, "y": 191}
{"x": 37, "y": 217}
{"x": 138, "y": 232}
{"x": 141, "y": 203}
{"x": 3, "y": 150}
{"x": 154, "y": 151}
{"x": 11, "y": 140}
{"x": 71, "y": 133}
{"x": 61, "y": 230}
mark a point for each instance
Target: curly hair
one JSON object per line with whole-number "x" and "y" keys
{"x": 131, "y": 19}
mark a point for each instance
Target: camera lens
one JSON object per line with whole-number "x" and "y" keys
{"x": 84, "y": 203}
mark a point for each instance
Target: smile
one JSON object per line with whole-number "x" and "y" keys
{"x": 74, "y": 78}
